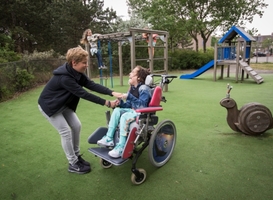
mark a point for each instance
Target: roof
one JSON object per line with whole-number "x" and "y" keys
{"x": 233, "y": 32}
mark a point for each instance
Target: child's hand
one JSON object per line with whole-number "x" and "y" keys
{"x": 113, "y": 103}
{"x": 117, "y": 94}
{"x": 124, "y": 96}
{"x": 117, "y": 102}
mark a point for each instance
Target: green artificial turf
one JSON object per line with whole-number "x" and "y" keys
{"x": 210, "y": 161}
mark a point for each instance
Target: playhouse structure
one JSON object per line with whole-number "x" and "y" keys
{"x": 226, "y": 50}
{"x": 231, "y": 51}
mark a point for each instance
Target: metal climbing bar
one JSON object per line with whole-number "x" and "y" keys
{"x": 100, "y": 70}
{"x": 110, "y": 62}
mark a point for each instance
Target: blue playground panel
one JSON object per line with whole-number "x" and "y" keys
{"x": 226, "y": 53}
{"x": 248, "y": 50}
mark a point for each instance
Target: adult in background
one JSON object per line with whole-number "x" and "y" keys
{"x": 59, "y": 100}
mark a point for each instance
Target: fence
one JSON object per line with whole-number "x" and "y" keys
{"x": 22, "y": 75}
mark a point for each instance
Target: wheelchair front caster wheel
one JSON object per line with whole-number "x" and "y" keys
{"x": 139, "y": 180}
{"x": 105, "y": 164}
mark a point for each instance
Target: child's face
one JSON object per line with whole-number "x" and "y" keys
{"x": 89, "y": 33}
{"x": 80, "y": 66}
{"x": 133, "y": 79}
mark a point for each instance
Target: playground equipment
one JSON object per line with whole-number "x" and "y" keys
{"x": 102, "y": 77}
{"x": 133, "y": 36}
{"x": 227, "y": 53}
{"x": 252, "y": 119}
{"x": 199, "y": 71}
{"x": 163, "y": 35}
{"x": 144, "y": 132}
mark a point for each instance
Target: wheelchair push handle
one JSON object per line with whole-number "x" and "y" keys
{"x": 164, "y": 75}
{"x": 165, "y": 79}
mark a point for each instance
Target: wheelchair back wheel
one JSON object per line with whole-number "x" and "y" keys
{"x": 162, "y": 143}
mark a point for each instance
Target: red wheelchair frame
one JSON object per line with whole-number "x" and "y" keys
{"x": 161, "y": 138}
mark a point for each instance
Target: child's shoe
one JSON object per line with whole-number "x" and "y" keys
{"x": 116, "y": 152}
{"x": 106, "y": 142}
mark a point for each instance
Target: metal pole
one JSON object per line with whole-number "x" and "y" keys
{"x": 101, "y": 78}
{"x": 110, "y": 62}
{"x": 120, "y": 62}
{"x": 267, "y": 50}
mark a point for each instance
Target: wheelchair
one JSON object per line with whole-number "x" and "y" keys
{"x": 160, "y": 138}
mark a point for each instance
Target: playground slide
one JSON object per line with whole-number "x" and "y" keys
{"x": 198, "y": 72}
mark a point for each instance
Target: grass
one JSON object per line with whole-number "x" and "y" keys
{"x": 210, "y": 161}
{"x": 262, "y": 66}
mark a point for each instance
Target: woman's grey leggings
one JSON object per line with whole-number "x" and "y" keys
{"x": 67, "y": 123}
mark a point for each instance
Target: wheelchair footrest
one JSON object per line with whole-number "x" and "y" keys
{"x": 102, "y": 152}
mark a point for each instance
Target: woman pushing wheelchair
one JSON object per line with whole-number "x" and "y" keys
{"x": 138, "y": 96}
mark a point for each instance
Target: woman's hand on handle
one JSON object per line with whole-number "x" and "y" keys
{"x": 111, "y": 104}
{"x": 117, "y": 102}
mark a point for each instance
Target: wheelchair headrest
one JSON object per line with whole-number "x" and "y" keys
{"x": 149, "y": 80}
{"x": 156, "y": 97}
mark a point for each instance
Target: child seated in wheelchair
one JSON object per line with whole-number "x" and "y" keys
{"x": 138, "y": 96}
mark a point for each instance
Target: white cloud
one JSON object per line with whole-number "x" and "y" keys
{"x": 264, "y": 24}
{"x": 119, "y": 6}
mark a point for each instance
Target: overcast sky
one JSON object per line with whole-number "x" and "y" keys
{"x": 264, "y": 24}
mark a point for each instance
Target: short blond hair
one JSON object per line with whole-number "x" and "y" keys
{"x": 77, "y": 54}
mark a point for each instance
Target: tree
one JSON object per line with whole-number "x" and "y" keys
{"x": 214, "y": 41}
{"x": 267, "y": 43}
{"x": 199, "y": 17}
{"x": 51, "y": 24}
{"x": 136, "y": 21}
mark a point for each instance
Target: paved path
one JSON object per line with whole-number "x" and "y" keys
{"x": 261, "y": 59}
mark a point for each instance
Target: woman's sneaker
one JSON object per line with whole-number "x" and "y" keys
{"x": 116, "y": 152}
{"x": 84, "y": 162}
{"x": 106, "y": 142}
{"x": 79, "y": 168}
